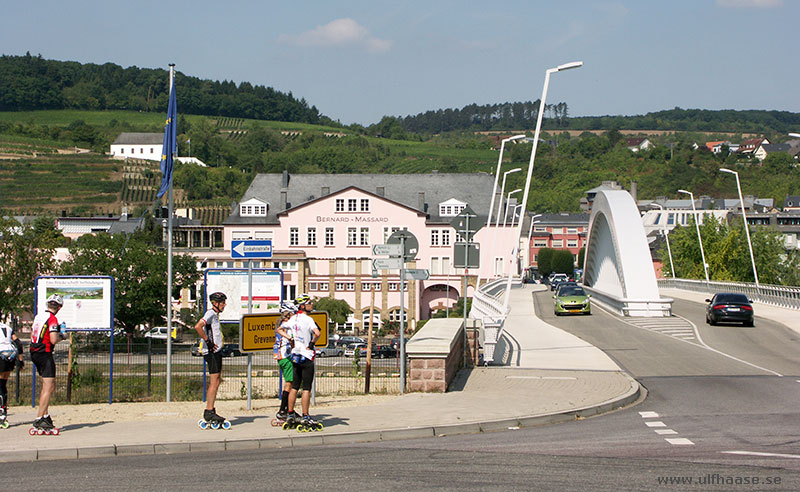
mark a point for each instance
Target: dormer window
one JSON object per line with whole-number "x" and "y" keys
{"x": 451, "y": 208}
{"x": 253, "y": 208}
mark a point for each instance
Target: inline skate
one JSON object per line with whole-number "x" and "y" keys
{"x": 3, "y": 418}
{"x": 43, "y": 426}
{"x": 211, "y": 420}
{"x": 282, "y": 417}
{"x": 307, "y": 424}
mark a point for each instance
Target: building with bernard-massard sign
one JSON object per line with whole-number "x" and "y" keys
{"x": 324, "y": 227}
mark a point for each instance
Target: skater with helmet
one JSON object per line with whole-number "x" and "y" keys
{"x": 306, "y": 332}
{"x": 45, "y": 333}
{"x": 284, "y": 342}
{"x": 10, "y": 354}
{"x": 210, "y": 333}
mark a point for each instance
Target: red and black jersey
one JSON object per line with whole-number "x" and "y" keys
{"x": 43, "y": 323}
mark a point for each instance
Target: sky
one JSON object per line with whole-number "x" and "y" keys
{"x": 360, "y": 60}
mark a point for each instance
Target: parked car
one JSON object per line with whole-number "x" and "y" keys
{"x": 556, "y": 279}
{"x": 395, "y": 343}
{"x": 571, "y": 299}
{"x": 384, "y": 352}
{"x": 729, "y": 307}
{"x": 351, "y": 349}
{"x": 160, "y": 333}
{"x": 347, "y": 340}
{"x": 228, "y": 350}
{"x": 330, "y": 351}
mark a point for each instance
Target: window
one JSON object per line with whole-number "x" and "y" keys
{"x": 311, "y": 236}
{"x": 445, "y": 237}
{"x": 256, "y": 263}
{"x": 670, "y": 219}
{"x": 312, "y": 286}
{"x": 340, "y": 286}
{"x": 558, "y": 243}
{"x": 340, "y": 204}
{"x": 540, "y": 228}
{"x": 351, "y": 236}
{"x": 540, "y": 243}
{"x": 394, "y": 315}
{"x": 323, "y": 286}
{"x": 388, "y": 231}
{"x": 329, "y": 236}
{"x": 241, "y": 235}
{"x": 364, "y": 236}
{"x": 263, "y": 235}
{"x": 435, "y": 237}
{"x": 572, "y": 230}
{"x": 285, "y": 265}
{"x": 446, "y": 265}
{"x": 365, "y": 204}
{"x": 351, "y": 204}
{"x": 294, "y": 236}
{"x": 498, "y": 266}
{"x": 572, "y": 243}
{"x": 365, "y": 286}
{"x": 351, "y": 286}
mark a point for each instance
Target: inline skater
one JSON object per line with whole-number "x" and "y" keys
{"x": 284, "y": 343}
{"x": 10, "y": 354}
{"x": 211, "y": 334}
{"x": 45, "y": 334}
{"x": 306, "y": 332}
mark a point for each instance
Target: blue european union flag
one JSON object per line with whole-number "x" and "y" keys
{"x": 170, "y": 141}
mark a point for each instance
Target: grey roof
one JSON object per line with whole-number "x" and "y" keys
{"x": 473, "y": 188}
{"x": 139, "y": 139}
{"x": 563, "y": 219}
{"x": 127, "y": 226}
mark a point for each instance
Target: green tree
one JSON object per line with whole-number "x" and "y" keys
{"x": 545, "y": 261}
{"x": 563, "y": 262}
{"x": 337, "y": 309}
{"x": 139, "y": 272}
{"x": 24, "y": 255}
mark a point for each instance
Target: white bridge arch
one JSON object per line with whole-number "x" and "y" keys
{"x": 618, "y": 268}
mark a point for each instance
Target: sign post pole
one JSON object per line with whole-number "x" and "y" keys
{"x": 402, "y": 318}
{"x": 249, "y": 356}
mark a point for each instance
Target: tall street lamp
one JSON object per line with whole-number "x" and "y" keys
{"x": 666, "y": 238}
{"x": 699, "y": 238}
{"x": 547, "y": 73}
{"x": 503, "y": 189}
{"x": 508, "y": 198}
{"x": 530, "y": 231}
{"x": 496, "y": 179}
{"x": 746, "y": 227}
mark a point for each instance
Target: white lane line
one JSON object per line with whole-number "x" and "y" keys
{"x": 756, "y": 453}
{"x": 657, "y": 423}
{"x": 679, "y": 441}
{"x": 648, "y": 415}
{"x": 566, "y": 378}
{"x": 665, "y": 431}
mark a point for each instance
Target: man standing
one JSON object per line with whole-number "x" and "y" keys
{"x": 210, "y": 333}
{"x": 44, "y": 336}
{"x": 10, "y": 355}
{"x": 306, "y": 332}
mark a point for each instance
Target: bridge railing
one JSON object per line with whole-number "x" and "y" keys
{"x": 636, "y": 307}
{"x": 775, "y": 295}
{"x": 488, "y": 306}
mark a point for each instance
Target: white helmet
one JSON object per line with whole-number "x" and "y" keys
{"x": 56, "y": 299}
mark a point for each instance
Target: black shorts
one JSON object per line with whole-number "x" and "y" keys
{"x": 45, "y": 364}
{"x": 303, "y": 374}
{"x": 214, "y": 362}
{"x": 7, "y": 365}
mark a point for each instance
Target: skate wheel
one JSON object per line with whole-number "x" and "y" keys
{"x": 32, "y": 431}
{"x": 285, "y": 426}
{"x": 55, "y": 432}
{"x": 226, "y": 425}
{"x": 40, "y": 432}
{"x": 5, "y": 425}
{"x": 275, "y": 423}
{"x": 203, "y": 424}
{"x": 215, "y": 425}
{"x": 320, "y": 427}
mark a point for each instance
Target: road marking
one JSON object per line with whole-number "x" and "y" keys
{"x": 665, "y": 431}
{"x": 756, "y": 453}
{"x": 568, "y": 378}
{"x": 657, "y": 423}
{"x": 679, "y": 441}
{"x": 648, "y": 415}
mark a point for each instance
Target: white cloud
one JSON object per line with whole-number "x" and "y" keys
{"x": 750, "y": 3}
{"x": 340, "y": 32}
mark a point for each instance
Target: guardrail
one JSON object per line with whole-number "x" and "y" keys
{"x": 775, "y": 295}
{"x": 487, "y": 306}
{"x": 626, "y": 306}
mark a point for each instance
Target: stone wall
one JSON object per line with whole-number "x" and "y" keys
{"x": 435, "y": 355}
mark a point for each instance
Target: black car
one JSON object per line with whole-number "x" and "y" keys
{"x": 384, "y": 352}
{"x": 231, "y": 350}
{"x": 728, "y": 307}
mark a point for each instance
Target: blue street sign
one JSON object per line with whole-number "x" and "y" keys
{"x": 251, "y": 249}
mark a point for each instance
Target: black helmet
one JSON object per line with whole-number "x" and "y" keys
{"x": 218, "y": 297}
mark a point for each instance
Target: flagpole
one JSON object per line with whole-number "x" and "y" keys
{"x": 169, "y": 260}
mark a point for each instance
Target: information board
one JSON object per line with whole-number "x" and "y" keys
{"x": 257, "y": 331}
{"x": 267, "y": 284}
{"x": 88, "y": 300}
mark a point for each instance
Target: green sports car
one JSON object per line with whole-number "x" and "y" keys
{"x": 572, "y": 299}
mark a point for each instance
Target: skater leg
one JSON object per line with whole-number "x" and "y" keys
{"x": 48, "y": 385}
{"x": 211, "y": 394}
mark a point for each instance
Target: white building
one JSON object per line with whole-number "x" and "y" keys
{"x": 138, "y": 145}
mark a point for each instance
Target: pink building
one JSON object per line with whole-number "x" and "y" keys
{"x": 323, "y": 227}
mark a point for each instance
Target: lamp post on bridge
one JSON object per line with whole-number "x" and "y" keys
{"x": 746, "y": 227}
{"x": 699, "y": 238}
{"x": 666, "y": 238}
{"x": 530, "y": 231}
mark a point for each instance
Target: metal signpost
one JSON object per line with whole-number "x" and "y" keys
{"x": 467, "y": 223}
{"x": 250, "y": 249}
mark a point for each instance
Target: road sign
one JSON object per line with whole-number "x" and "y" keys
{"x": 387, "y": 263}
{"x": 387, "y": 249}
{"x": 251, "y": 249}
{"x": 257, "y": 331}
{"x": 417, "y": 274}
{"x": 467, "y": 223}
{"x": 411, "y": 243}
{"x": 467, "y": 255}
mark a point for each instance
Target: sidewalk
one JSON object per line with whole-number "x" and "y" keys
{"x": 553, "y": 377}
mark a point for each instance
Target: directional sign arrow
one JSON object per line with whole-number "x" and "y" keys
{"x": 251, "y": 249}
{"x": 387, "y": 263}
{"x": 417, "y": 274}
{"x": 387, "y": 249}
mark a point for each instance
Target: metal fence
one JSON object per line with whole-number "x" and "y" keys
{"x": 775, "y": 295}
{"x": 139, "y": 373}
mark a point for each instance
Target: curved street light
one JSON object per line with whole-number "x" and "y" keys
{"x": 508, "y": 198}
{"x": 746, "y": 227}
{"x": 666, "y": 238}
{"x": 699, "y": 238}
{"x": 503, "y": 188}
{"x": 528, "y": 244}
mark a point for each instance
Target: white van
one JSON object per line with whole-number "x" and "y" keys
{"x": 160, "y": 332}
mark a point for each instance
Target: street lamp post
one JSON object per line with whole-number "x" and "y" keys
{"x": 503, "y": 189}
{"x": 515, "y": 251}
{"x": 508, "y": 198}
{"x": 530, "y": 231}
{"x": 547, "y": 73}
{"x": 746, "y": 227}
{"x": 494, "y": 188}
{"x": 699, "y": 238}
{"x": 666, "y": 238}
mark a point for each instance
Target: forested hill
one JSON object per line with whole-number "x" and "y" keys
{"x": 32, "y": 83}
{"x": 522, "y": 116}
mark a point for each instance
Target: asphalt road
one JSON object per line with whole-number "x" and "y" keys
{"x": 721, "y": 411}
